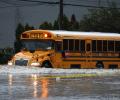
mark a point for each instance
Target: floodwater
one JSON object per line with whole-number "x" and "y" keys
{"x": 37, "y": 86}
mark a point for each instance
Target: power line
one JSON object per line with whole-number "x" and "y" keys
{"x": 52, "y": 3}
{"x": 88, "y": 6}
{"x": 60, "y": 3}
{"x": 44, "y": 2}
{"x": 69, "y": 4}
{"x": 10, "y": 3}
{"x": 65, "y": 4}
{"x": 25, "y": 5}
{"x": 20, "y": 5}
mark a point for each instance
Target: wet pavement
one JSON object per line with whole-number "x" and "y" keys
{"x": 39, "y": 87}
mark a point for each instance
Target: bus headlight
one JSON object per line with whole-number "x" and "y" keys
{"x": 10, "y": 63}
{"x": 35, "y": 64}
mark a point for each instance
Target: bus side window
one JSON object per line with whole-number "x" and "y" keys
{"x": 58, "y": 45}
{"x": 88, "y": 47}
{"x": 117, "y": 46}
{"x": 82, "y": 45}
{"x": 65, "y": 44}
{"x": 94, "y": 45}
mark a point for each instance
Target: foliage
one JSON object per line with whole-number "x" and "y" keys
{"x": 46, "y": 26}
{"x": 28, "y": 27}
{"x": 74, "y": 24}
{"x": 56, "y": 25}
{"x": 66, "y": 24}
{"x": 19, "y": 30}
{"x": 102, "y": 20}
{"x": 99, "y": 20}
{"x": 6, "y": 54}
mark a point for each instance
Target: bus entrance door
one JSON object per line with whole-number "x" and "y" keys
{"x": 88, "y": 50}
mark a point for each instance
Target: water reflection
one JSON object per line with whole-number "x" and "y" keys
{"x": 10, "y": 79}
{"x": 10, "y": 82}
{"x": 40, "y": 83}
{"x": 44, "y": 84}
{"x": 37, "y": 87}
{"x": 35, "y": 83}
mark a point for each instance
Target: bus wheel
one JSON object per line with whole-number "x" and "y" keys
{"x": 46, "y": 64}
{"x": 99, "y": 65}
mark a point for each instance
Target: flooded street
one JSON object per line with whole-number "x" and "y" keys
{"x": 32, "y": 86}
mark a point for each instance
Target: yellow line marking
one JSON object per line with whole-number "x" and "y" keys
{"x": 64, "y": 76}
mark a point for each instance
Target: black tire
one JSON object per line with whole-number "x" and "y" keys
{"x": 99, "y": 65}
{"x": 46, "y": 64}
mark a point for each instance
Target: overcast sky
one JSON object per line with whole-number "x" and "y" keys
{"x": 34, "y": 14}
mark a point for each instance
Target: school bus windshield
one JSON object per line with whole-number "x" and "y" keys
{"x": 33, "y": 45}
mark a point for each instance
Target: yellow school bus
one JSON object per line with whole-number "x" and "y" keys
{"x": 68, "y": 49}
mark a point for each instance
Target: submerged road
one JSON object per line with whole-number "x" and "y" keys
{"x": 24, "y": 83}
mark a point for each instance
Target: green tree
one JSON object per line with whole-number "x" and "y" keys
{"x": 17, "y": 44}
{"x": 102, "y": 19}
{"x": 46, "y": 25}
{"x": 6, "y": 54}
{"x": 56, "y": 25}
{"x": 19, "y": 30}
{"x": 65, "y": 23}
{"x": 74, "y": 24}
{"x": 28, "y": 27}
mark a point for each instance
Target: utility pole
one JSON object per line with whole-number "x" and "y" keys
{"x": 61, "y": 15}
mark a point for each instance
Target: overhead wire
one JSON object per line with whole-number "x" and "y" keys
{"x": 10, "y": 3}
{"x": 19, "y": 5}
{"x": 37, "y": 3}
{"x": 44, "y": 2}
{"x": 70, "y": 4}
{"x": 30, "y": 5}
{"x": 92, "y": 2}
